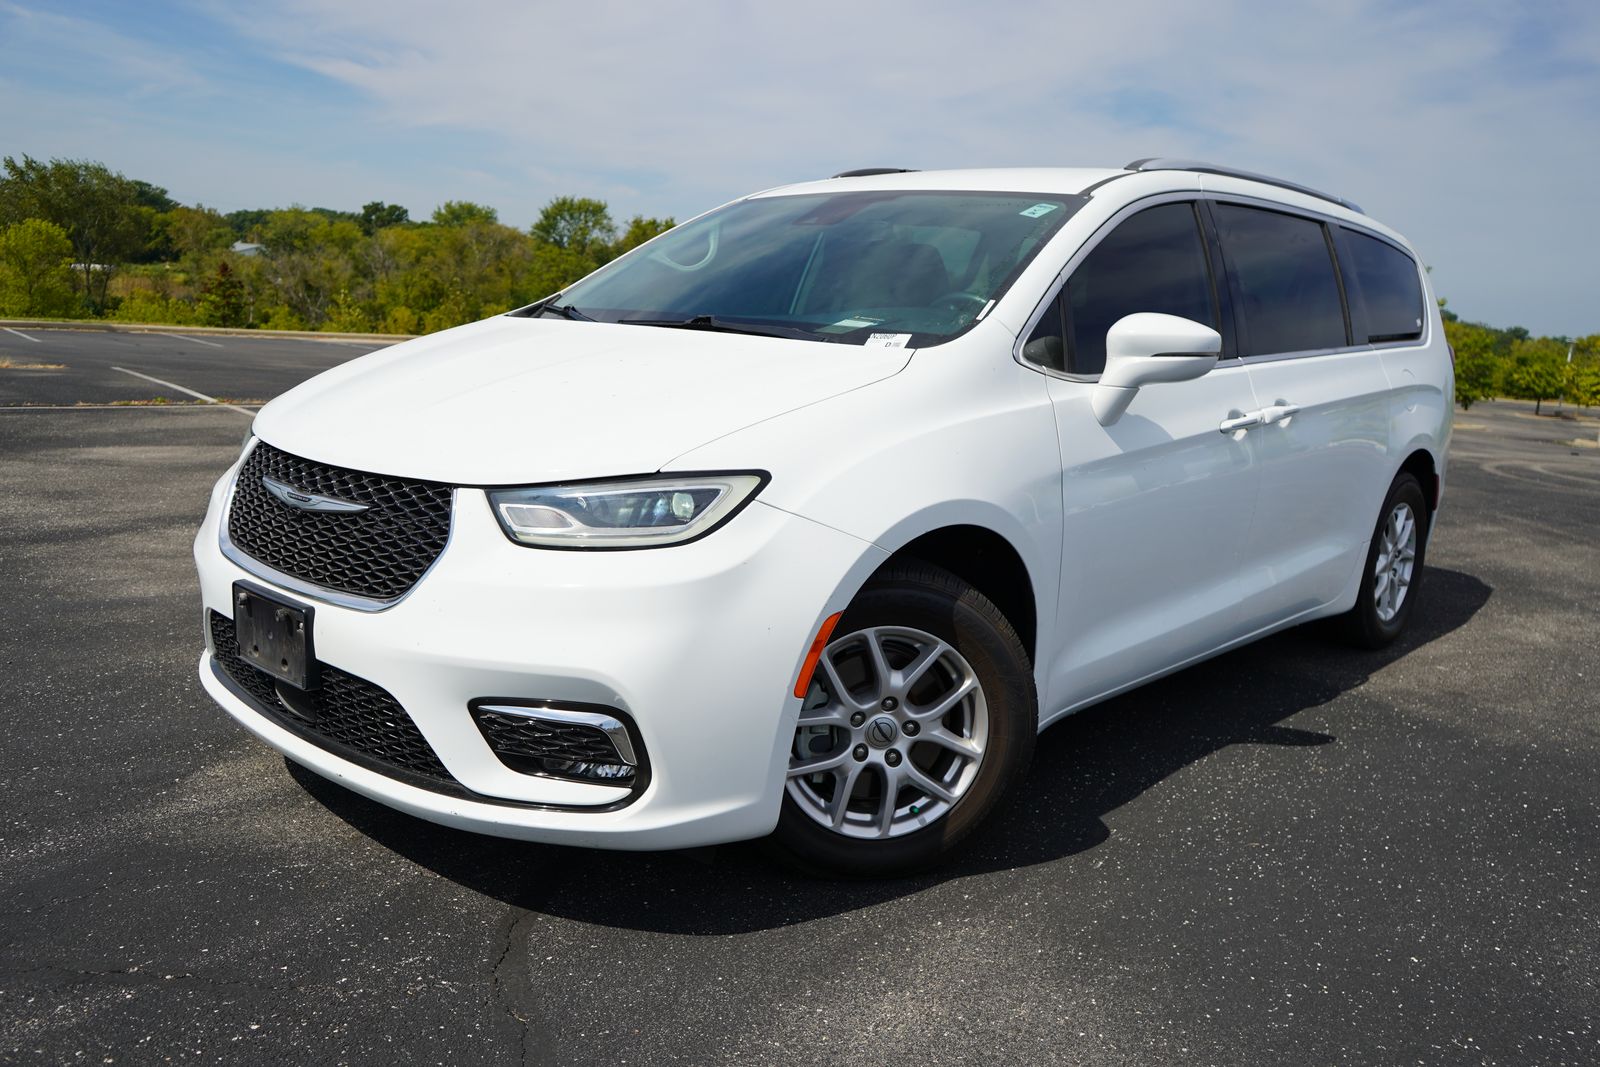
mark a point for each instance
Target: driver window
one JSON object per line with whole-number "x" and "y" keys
{"x": 1153, "y": 261}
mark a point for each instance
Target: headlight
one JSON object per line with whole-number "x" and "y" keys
{"x": 638, "y": 513}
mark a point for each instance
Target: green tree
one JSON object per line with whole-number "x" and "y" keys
{"x": 222, "y": 299}
{"x": 463, "y": 212}
{"x": 640, "y": 230}
{"x": 347, "y": 314}
{"x": 1583, "y": 381}
{"x": 310, "y": 257}
{"x": 245, "y": 223}
{"x": 379, "y": 216}
{"x": 151, "y": 196}
{"x": 1538, "y": 370}
{"x": 577, "y": 224}
{"x": 107, "y": 217}
{"x": 35, "y": 269}
{"x": 196, "y": 236}
{"x": 1477, "y": 366}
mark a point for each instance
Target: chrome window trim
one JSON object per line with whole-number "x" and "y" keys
{"x": 609, "y": 725}
{"x": 311, "y": 591}
{"x": 1309, "y": 353}
{"x": 1185, "y": 195}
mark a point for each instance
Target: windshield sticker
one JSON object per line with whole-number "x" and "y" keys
{"x": 846, "y": 325}
{"x": 1038, "y": 209}
{"x": 887, "y": 340}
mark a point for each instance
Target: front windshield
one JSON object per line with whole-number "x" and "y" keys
{"x": 848, "y": 267}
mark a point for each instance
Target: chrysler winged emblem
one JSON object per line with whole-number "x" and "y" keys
{"x": 309, "y": 501}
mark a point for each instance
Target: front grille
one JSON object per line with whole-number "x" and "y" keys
{"x": 379, "y": 553}
{"x": 551, "y": 746}
{"x": 348, "y": 716}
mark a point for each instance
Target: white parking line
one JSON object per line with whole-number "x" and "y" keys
{"x": 191, "y": 392}
{"x": 196, "y": 340}
{"x": 20, "y": 334}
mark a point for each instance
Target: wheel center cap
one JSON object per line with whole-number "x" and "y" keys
{"x": 882, "y": 731}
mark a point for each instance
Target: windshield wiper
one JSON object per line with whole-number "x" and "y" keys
{"x": 713, "y": 323}
{"x": 548, "y": 304}
{"x": 566, "y": 311}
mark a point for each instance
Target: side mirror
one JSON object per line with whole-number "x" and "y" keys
{"x": 1147, "y": 348}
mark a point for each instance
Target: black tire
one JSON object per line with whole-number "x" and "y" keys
{"x": 1361, "y": 625}
{"x": 936, "y": 602}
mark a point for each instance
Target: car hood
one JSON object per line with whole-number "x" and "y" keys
{"x": 519, "y": 400}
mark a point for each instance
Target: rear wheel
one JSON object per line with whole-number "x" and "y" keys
{"x": 920, "y": 715}
{"x": 1393, "y": 568}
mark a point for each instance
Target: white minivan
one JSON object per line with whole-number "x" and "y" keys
{"x": 805, "y": 517}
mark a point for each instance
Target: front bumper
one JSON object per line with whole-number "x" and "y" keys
{"x": 699, "y": 643}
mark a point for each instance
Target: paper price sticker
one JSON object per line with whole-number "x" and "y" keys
{"x": 846, "y": 325}
{"x": 887, "y": 340}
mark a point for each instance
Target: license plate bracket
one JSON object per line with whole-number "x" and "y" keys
{"x": 274, "y": 635}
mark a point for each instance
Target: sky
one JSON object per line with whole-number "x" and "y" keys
{"x": 1472, "y": 127}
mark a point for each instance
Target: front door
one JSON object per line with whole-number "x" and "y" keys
{"x": 1157, "y": 510}
{"x": 1157, "y": 507}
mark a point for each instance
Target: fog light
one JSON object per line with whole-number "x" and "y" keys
{"x": 598, "y": 771}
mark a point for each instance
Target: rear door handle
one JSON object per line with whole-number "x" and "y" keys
{"x": 1241, "y": 422}
{"x": 1278, "y": 413}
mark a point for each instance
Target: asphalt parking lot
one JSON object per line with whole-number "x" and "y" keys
{"x": 1295, "y": 853}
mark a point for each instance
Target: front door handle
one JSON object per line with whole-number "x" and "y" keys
{"x": 1278, "y": 412}
{"x": 1241, "y": 422}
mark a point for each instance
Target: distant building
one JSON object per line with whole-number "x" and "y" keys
{"x": 245, "y": 248}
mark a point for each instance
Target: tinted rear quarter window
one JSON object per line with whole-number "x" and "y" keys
{"x": 1283, "y": 274}
{"x": 1389, "y": 285}
{"x": 1153, "y": 261}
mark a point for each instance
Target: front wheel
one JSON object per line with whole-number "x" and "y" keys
{"x": 919, "y": 717}
{"x": 1393, "y": 568}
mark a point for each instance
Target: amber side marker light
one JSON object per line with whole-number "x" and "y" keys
{"x": 810, "y": 666}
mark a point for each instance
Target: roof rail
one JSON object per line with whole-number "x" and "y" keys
{"x": 1161, "y": 163}
{"x": 865, "y": 172}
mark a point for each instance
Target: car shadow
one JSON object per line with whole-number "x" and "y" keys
{"x": 1085, "y": 767}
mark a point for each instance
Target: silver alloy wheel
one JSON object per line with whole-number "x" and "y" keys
{"x": 891, "y": 734}
{"x": 1397, "y": 555}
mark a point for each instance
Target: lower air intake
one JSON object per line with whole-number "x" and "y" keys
{"x": 347, "y": 715}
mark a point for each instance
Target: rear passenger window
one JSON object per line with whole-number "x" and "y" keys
{"x": 1284, "y": 273}
{"x": 1389, "y": 288}
{"x": 1153, "y": 261}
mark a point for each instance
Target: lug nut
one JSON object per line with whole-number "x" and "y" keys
{"x": 890, "y": 703}
{"x": 911, "y": 729}
{"x": 858, "y": 718}
{"x": 860, "y": 753}
{"x": 892, "y": 758}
